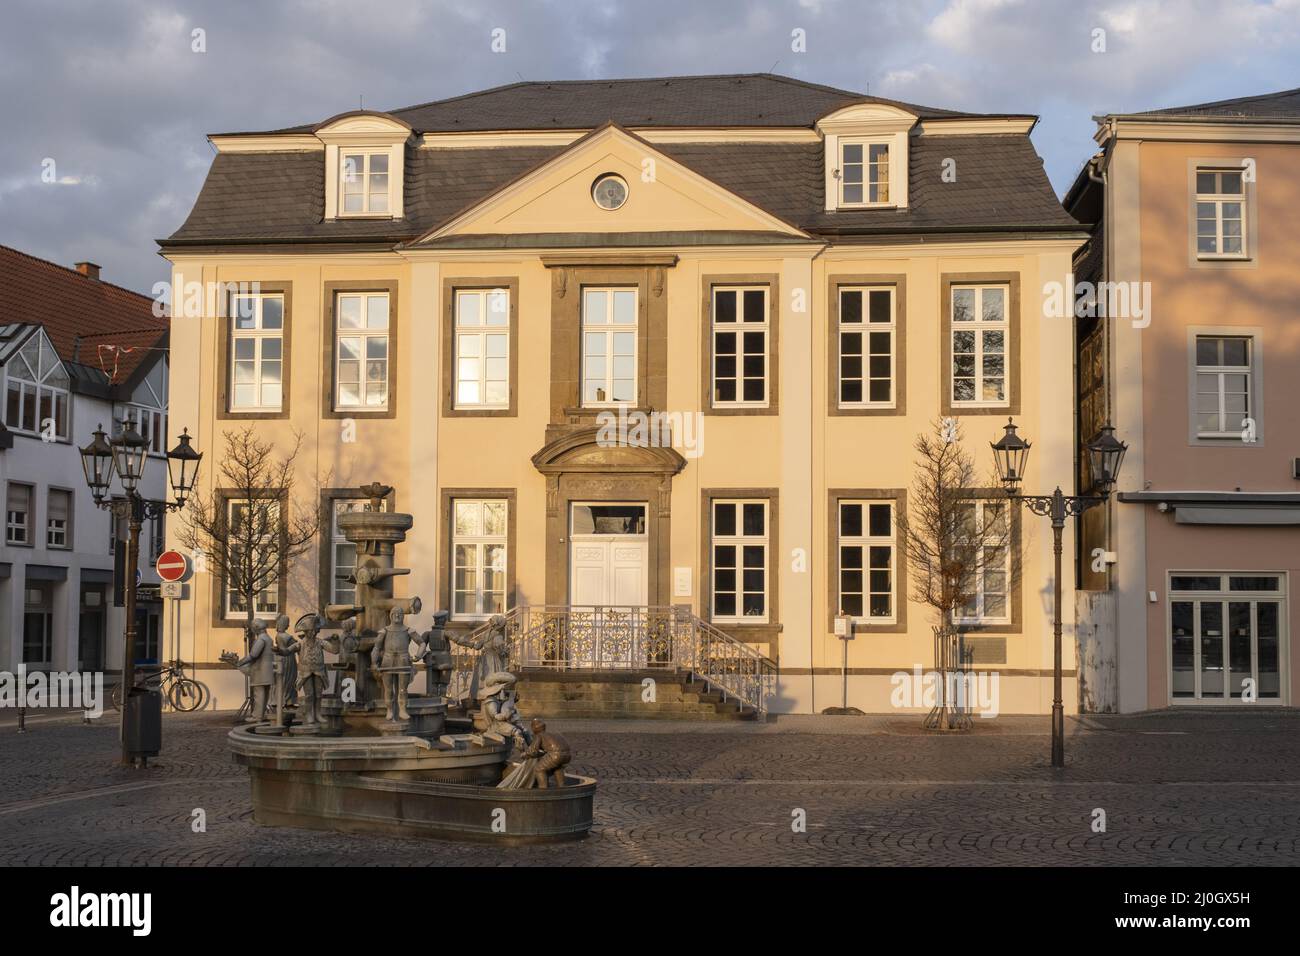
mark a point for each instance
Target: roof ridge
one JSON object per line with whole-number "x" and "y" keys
{"x": 49, "y": 264}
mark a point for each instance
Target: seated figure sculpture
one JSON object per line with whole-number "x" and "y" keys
{"x": 498, "y": 713}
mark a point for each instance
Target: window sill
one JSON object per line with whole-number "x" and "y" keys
{"x": 379, "y": 216}
{"x": 853, "y": 207}
{"x": 1205, "y": 257}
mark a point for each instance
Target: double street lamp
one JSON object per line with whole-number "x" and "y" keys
{"x": 125, "y": 456}
{"x": 1105, "y": 455}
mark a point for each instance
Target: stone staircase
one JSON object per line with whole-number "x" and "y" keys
{"x": 619, "y": 695}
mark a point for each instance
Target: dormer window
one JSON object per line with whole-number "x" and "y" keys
{"x": 864, "y": 173}
{"x": 37, "y": 390}
{"x": 866, "y": 156}
{"x": 364, "y": 183}
{"x": 364, "y": 156}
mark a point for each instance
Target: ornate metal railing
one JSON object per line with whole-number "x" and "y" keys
{"x": 566, "y": 637}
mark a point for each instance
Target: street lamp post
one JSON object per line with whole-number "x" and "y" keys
{"x": 125, "y": 455}
{"x": 1105, "y": 455}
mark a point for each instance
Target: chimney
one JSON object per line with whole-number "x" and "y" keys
{"x": 89, "y": 269}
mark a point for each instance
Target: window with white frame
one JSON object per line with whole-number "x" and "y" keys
{"x": 609, "y": 347}
{"x": 479, "y": 538}
{"x": 343, "y": 553}
{"x": 37, "y": 390}
{"x": 867, "y": 327}
{"x": 864, "y": 173}
{"x": 256, "y": 352}
{"x": 482, "y": 348}
{"x": 741, "y": 343}
{"x": 867, "y": 555}
{"x": 980, "y": 333}
{"x": 18, "y": 514}
{"x": 150, "y": 423}
{"x": 247, "y": 524}
{"x": 1220, "y": 214}
{"x": 363, "y": 184}
{"x": 739, "y": 549}
{"x": 58, "y": 519}
{"x": 984, "y": 548}
{"x": 1223, "y": 385}
{"x": 361, "y": 351}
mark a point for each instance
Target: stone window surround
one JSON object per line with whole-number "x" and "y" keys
{"x": 330, "y": 339}
{"x": 569, "y": 275}
{"x": 946, "y": 282}
{"x": 834, "y": 283}
{"x": 325, "y": 584}
{"x": 1017, "y": 562}
{"x": 899, "y": 498}
{"x": 445, "y": 568}
{"x": 769, "y": 632}
{"x": 223, "y": 497}
{"x": 771, "y": 281}
{"x": 1256, "y": 335}
{"x": 1251, "y": 233}
{"x": 450, "y": 286}
{"x": 226, "y": 334}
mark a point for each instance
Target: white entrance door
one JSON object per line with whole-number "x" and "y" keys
{"x": 608, "y": 555}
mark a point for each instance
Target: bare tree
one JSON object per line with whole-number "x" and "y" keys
{"x": 249, "y": 528}
{"x": 948, "y": 544}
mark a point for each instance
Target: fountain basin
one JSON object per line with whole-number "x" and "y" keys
{"x": 405, "y": 787}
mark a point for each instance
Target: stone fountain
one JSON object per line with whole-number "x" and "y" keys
{"x": 374, "y": 757}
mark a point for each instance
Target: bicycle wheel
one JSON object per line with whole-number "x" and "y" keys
{"x": 115, "y": 698}
{"x": 186, "y": 694}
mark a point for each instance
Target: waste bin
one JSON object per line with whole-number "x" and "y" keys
{"x": 142, "y": 722}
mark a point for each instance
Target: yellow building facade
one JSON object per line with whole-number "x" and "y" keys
{"x": 781, "y": 285}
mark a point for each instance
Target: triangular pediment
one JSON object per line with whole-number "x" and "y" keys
{"x": 663, "y": 195}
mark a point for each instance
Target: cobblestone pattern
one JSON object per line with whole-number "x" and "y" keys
{"x": 1176, "y": 789}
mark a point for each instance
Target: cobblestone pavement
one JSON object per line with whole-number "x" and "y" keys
{"x": 1184, "y": 788}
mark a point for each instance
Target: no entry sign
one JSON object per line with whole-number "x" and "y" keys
{"x": 172, "y": 566}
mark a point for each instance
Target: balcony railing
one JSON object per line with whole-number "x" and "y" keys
{"x": 565, "y": 637}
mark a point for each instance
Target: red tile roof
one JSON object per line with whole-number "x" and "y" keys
{"x": 117, "y": 327}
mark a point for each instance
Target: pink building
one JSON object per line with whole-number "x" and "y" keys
{"x": 1188, "y": 342}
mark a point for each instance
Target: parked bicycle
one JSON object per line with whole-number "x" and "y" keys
{"x": 182, "y": 692}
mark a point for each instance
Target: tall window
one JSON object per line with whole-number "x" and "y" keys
{"x": 479, "y": 534}
{"x": 343, "y": 553}
{"x": 1220, "y": 214}
{"x": 58, "y": 519}
{"x": 151, "y": 423}
{"x": 482, "y": 348}
{"x": 740, "y": 346}
{"x": 157, "y": 538}
{"x": 609, "y": 331}
{"x": 364, "y": 183}
{"x": 739, "y": 546}
{"x": 867, "y": 560}
{"x": 36, "y": 390}
{"x": 1223, "y": 380}
{"x": 984, "y": 545}
{"x": 247, "y": 525}
{"x": 866, "y": 335}
{"x": 361, "y": 351}
{"x": 864, "y": 173}
{"x": 18, "y": 514}
{"x": 257, "y": 352}
{"x": 979, "y": 345}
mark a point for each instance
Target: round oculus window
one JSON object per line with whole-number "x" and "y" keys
{"x": 609, "y": 191}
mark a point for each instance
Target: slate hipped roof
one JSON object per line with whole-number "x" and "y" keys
{"x": 275, "y": 197}
{"x": 110, "y": 330}
{"x": 711, "y": 102}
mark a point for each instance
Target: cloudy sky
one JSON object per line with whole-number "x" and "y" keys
{"x": 111, "y": 101}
